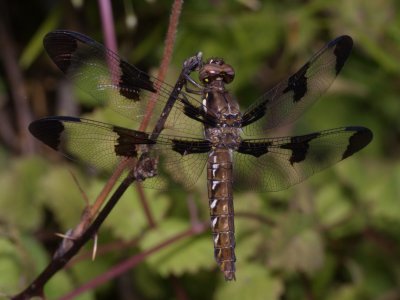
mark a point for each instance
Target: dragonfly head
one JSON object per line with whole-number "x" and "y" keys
{"x": 215, "y": 69}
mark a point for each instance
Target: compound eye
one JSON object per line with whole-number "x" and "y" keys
{"x": 228, "y": 74}
{"x": 228, "y": 78}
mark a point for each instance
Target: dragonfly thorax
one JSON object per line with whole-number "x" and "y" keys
{"x": 224, "y": 137}
{"x": 229, "y": 118}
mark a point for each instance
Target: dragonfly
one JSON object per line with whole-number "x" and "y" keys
{"x": 198, "y": 125}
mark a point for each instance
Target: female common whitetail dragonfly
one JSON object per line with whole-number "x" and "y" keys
{"x": 193, "y": 132}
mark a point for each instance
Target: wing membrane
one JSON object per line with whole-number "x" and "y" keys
{"x": 113, "y": 82}
{"x": 289, "y": 99}
{"x": 104, "y": 146}
{"x": 274, "y": 164}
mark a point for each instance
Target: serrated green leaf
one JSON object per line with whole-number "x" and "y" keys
{"x": 250, "y": 231}
{"x": 295, "y": 246}
{"x": 184, "y": 256}
{"x": 20, "y": 193}
{"x": 355, "y": 173}
{"x": 385, "y": 194}
{"x": 21, "y": 260}
{"x": 332, "y": 204}
{"x": 128, "y": 218}
{"x": 60, "y": 193}
{"x": 34, "y": 256}
{"x": 253, "y": 282}
{"x": 62, "y": 284}
{"x": 9, "y": 267}
{"x": 345, "y": 292}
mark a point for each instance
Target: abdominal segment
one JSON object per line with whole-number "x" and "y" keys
{"x": 219, "y": 177}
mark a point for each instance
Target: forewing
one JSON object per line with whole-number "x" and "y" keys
{"x": 104, "y": 146}
{"x": 290, "y": 98}
{"x": 113, "y": 82}
{"x": 274, "y": 164}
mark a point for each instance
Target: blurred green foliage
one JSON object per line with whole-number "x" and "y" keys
{"x": 335, "y": 236}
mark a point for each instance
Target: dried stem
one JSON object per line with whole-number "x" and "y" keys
{"x": 107, "y": 24}
{"x": 255, "y": 216}
{"x": 145, "y": 205}
{"x": 110, "y": 42}
{"x": 169, "y": 46}
{"x": 167, "y": 55}
{"x": 180, "y": 293}
{"x": 17, "y": 87}
{"x": 193, "y": 211}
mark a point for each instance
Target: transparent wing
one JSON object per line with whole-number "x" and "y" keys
{"x": 274, "y": 164}
{"x": 104, "y": 146}
{"x": 115, "y": 83}
{"x": 290, "y": 98}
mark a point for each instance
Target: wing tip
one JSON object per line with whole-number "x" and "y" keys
{"x": 49, "y": 130}
{"x": 57, "y": 44}
{"x": 343, "y": 45}
{"x": 362, "y": 137}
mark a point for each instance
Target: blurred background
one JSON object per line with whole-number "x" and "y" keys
{"x": 335, "y": 236}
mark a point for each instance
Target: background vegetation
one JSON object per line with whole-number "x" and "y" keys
{"x": 335, "y": 236}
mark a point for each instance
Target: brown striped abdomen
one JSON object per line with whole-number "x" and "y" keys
{"x": 219, "y": 179}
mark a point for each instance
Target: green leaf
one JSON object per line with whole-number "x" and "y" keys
{"x": 344, "y": 292}
{"x": 20, "y": 193}
{"x": 295, "y": 246}
{"x": 128, "y": 218}
{"x": 253, "y": 282}
{"x": 60, "y": 193}
{"x": 9, "y": 267}
{"x": 250, "y": 231}
{"x": 332, "y": 204}
{"x": 35, "y": 45}
{"x": 60, "y": 284}
{"x": 21, "y": 260}
{"x": 184, "y": 256}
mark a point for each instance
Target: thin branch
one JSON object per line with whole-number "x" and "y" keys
{"x": 180, "y": 292}
{"x": 125, "y": 164}
{"x": 193, "y": 211}
{"x": 108, "y": 30}
{"x": 169, "y": 47}
{"x": 111, "y": 43}
{"x": 107, "y": 24}
{"x": 6, "y": 130}
{"x": 112, "y": 247}
{"x": 167, "y": 55}
{"x": 17, "y": 89}
{"x": 81, "y": 190}
{"x": 255, "y": 216}
{"x": 146, "y": 208}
